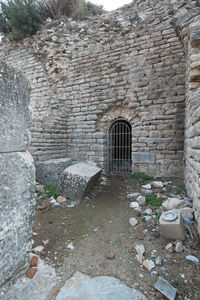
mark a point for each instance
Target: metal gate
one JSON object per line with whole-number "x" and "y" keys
{"x": 119, "y": 147}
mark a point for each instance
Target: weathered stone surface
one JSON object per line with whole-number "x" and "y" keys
{"x": 172, "y": 203}
{"x": 14, "y": 112}
{"x": 76, "y": 181}
{"x": 173, "y": 229}
{"x": 81, "y": 286}
{"x": 47, "y": 172}
{"x": 133, "y": 221}
{"x": 16, "y": 211}
{"x": 165, "y": 288}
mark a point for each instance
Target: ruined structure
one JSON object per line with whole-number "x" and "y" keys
{"x": 17, "y": 175}
{"x": 133, "y": 72}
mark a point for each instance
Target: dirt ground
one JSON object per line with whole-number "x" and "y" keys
{"x": 99, "y": 225}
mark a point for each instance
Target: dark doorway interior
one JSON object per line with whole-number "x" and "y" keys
{"x": 119, "y": 147}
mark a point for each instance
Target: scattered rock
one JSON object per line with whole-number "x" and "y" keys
{"x": 38, "y": 249}
{"x": 45, "y": 242}
{"x": 70, "y": 246}
{"x": 192, "y": 258}
{"x": 140, "y": 258}
{"x": 148, "y": 211}
{"x": 141, "y": 200}
{"x": 30, "y": 273}
{"x": 172, "y": 203}
{"x": 42, "y": 207}
{"x": 159, "y": 260}
{"x": 157, "y": 184}
{"x": 134, "y": 205}
{"x": 169, "y": 247}
{"x": 140, "y": 238}
{"x": 149, "y": 264}
{"x": 34, "y": 261}
{"x": 187, "y": 212}
{"x": 147, "y": 192}
{"x": 133, "y": 221}
{"x": 61, "y": 199}
{"x": 140, "y": 249}
{"x": 165, "y": 288}
{"x": 133, "y": 195}
{"x": 147, "y": 218}
{"x": 179, "y": 246}
{"x": 110, "y": 255}
{"x": 40, "y": 188}
{"x": 147, "y": 186}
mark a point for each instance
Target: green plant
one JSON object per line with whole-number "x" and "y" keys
{"x": 181, "y": 189}
{"x": 141, "y": 175}
{"x": 51, "y": 191}
{"x": 38, "y": 201}
{"x": 153, "y": 200}
{"x": 157, "y": 214}
{"x": 20, "y": 18}
{"x": 139, "y": 214}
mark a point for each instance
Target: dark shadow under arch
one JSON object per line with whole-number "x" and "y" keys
{"x": 119, "y": 147}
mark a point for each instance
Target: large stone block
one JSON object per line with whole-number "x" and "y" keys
{"x": 14, "y": 113}
{"x": 47, "y": 172}
{"x": 75, "y": 181}
{"x": 17, "y": 188}
{"x": 143, "y": 157}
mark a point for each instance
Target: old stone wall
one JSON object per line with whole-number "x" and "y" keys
{"x": 129, "y": 63}
{"x": 17, "y": 176}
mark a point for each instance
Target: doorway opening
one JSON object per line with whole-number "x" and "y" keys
{"x": 119, "y": 147}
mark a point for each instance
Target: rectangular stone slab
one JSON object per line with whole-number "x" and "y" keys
{"x": 173, "y": 229}
{"x": 76, "y": 181}
{"x": 165, "y": 288}
{"x": 47, "y": 172}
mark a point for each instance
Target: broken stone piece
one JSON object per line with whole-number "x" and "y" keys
{"x": 179, "y": 246}
{"x": 147, "y": 186}
{"x": 133, "y": 195}
{"x": 141, "y": 200}
{"x": 149, "y": 264}
{"x": 192, "y": 258}
{"x": 110, "y": 255}
{"x": 70, "y": 246}
{"x": 165, "y": 288}
{"x": 61, "y": 199}
{"x": 157, "y": 184}
{"x": 133, "y": 221}
{"x": 169, "y": 247}
{"x": 77, "y": 180}
{"x": 38, "y": 249}
{"x": 140, "y": 249}
{"x": 134, "y": 205}
{"x": 34, "y": 261}
{"x": 159, "y": 261}
{"x": 171, "y": 203}
{"x": 140, "y": 258}
{"x": 30, "y": 273}
{"x": 148, "y": 211}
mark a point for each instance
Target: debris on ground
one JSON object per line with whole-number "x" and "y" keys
{"x": 165, "y": 288}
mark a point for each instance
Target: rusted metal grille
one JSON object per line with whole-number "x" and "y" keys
{"x": 119, "y": 147}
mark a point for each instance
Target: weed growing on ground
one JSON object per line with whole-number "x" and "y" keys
{"x": 157, "y": 214}
{"x": 139, "y": 214}
{"x": 153, "y": 200}
{"x": 180, "y": 189}
{"x": 141, "y": 175}
{"x": 50, "y": 191}
{"x": 38, "y": 201}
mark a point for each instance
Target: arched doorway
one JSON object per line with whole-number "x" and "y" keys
{"x": 119, "y": 145}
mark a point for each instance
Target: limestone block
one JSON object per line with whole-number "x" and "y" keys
{"x": 14, "y": 113}
{"x": 76, "y": 181}
{"x": 17, "y": 188}
{"x": 47, "y": 172}
{"x": 143, "y": 157}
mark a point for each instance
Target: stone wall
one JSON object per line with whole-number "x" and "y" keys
{"x": 17, "y": 176}
{"x": 129, "y": 63}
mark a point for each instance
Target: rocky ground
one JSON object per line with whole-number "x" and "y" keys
{"x": 100, "y": 237}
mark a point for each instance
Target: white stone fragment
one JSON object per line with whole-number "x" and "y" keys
{"x": 149, "y": 264}
{"x": 38, "y": 249}
{"x": 157, "y": 184}
{"x": 171, "y": 203}
{"x": 134, "y": 205}
{"x": 140, "y": 249}
{"x": 141, "y": 200}
{"x": 179, "y": 246}
{"x": 70, "y": 246}
{"x": 140, "y": 258}
{"x": 147, "y": 186}
{"x": 133, "y": 221}
{"x": 159, "y": 260}
{"x": 133, "y": 195}
{"x": 192, "y": 258}
{"x": 148, "y": 211}
{"x": 169, "y": 247}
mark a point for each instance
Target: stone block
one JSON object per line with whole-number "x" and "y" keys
{"x": 47, "y": 172}
{"x": 14, "y": 113}
{"x": 173, "y": 229}
{"x": 17, "y": 190}
{"x": 76, "y": 181}
{"x": 143, "y": 157}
